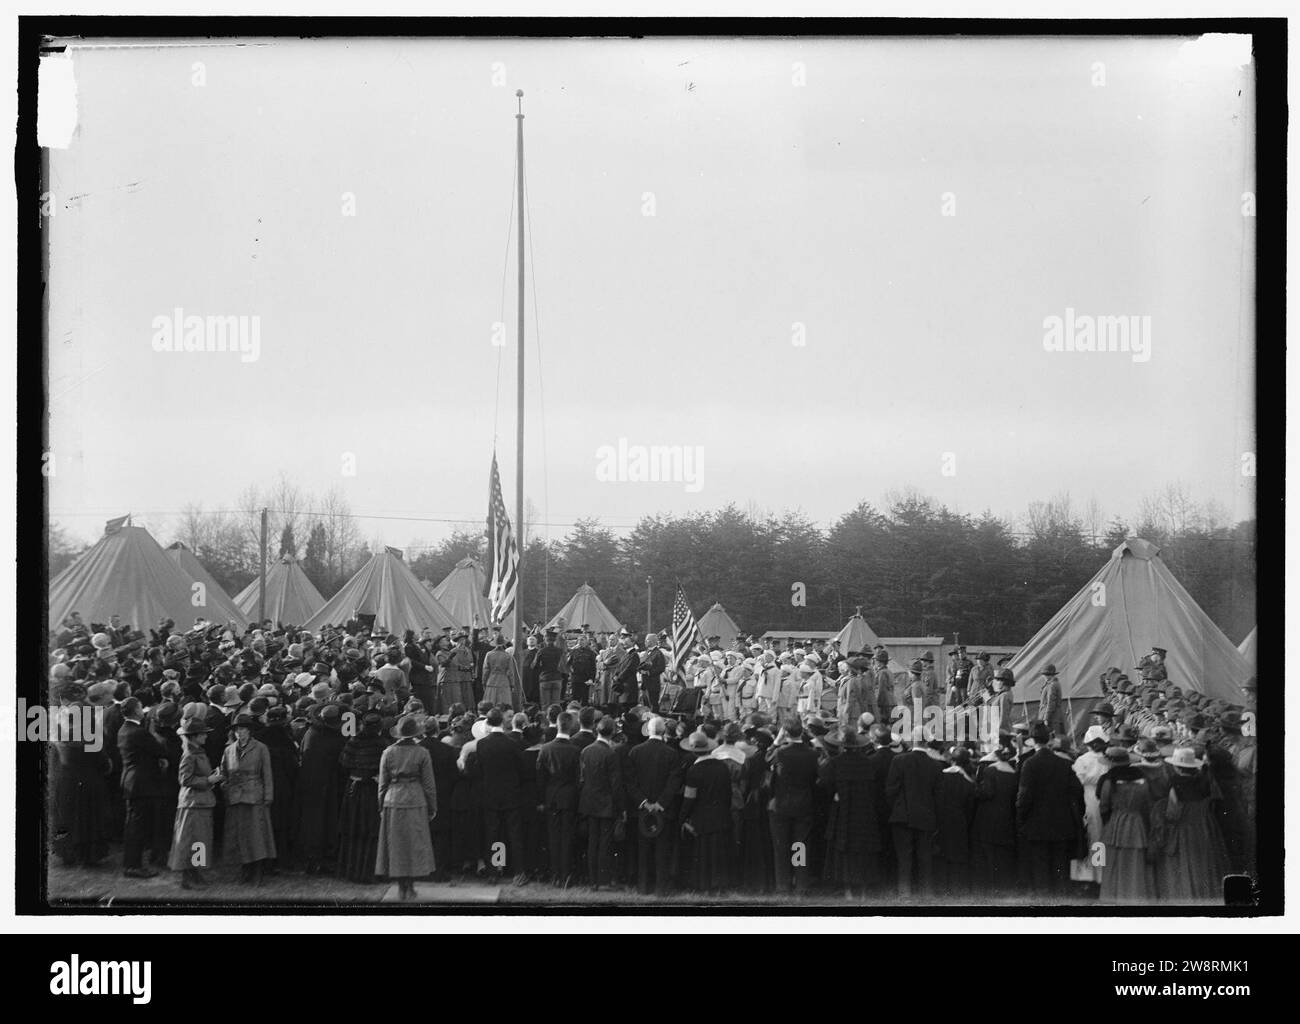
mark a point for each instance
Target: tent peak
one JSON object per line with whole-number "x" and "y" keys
{"x": 1138, "y": 548}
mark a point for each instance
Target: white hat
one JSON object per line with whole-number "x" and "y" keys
{"x": 1095, "y": 732}
{"x": 479, "y": 729}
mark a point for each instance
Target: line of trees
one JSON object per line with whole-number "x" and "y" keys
{"x": 916, "y": 568}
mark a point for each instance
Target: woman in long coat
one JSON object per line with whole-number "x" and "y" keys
{"x": 320, "y": 778}
{"x": 359, "y": 817}
{"x": 192, "y": 848}
{"x": 1195, "y": 855}
{"x": 993, "y": 832}
{"x": 249, "y": 786}
{"x": 853, "y": 835}
{"x": 81, "y": 787}
{"x": 706, "y": 813}
{"x": 500, "y": 677}
{"x": 278, "y": 739}
{"x": 956, "y": 812}
{"x": 409, "y": 801}
{"x": 1124, "y": 797}
{"x": 1089, "y": 767}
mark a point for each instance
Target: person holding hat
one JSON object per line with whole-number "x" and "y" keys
{"x": 1195, "y": 853}
{"x": 409, "y": 801}
{"x": 192, "y": 844}
{"x": 1126, "y": 805}
{"x": 249, "y": 789}
{"x": 320, "y": 789}
{"x": 654, "y": 783}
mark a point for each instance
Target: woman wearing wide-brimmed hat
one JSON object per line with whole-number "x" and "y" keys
{"x": 320, "y": 788}
{"x": 278, "y": 738}
{"x": 1089, "y": 768}
{"x": 1126, "y": 803}
{"x": 249, "y": 787}
{"x": 706, "y": 813}
{"x": 853, "y": 838}
{"x": 409, "y": 801}
{"x": 359, "y": 817}
{"x": 192, "y": 848}
{"x": 1195, "y": 855}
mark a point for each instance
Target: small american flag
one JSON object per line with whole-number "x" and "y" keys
{"x": 502, "y": 551}
{"x": 685, "y": 633}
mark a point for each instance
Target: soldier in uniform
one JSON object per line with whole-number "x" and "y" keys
{"x": 1051, "y": 706}
{"x": 884, "y": 686}
{"x": 930, "y": 680}
{"x": 959, "y": 670}
{"x": 981, "y": 678}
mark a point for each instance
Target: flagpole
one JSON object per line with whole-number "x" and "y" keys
{"x": 519, "y": 429}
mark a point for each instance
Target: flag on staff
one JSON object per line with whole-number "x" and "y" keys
{"x": 685, "y": 632}
{"x": 502, "y": 552}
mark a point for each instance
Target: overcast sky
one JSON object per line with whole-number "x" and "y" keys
{"x": 775, "y": 204}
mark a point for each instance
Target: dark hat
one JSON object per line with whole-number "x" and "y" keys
{"x": 320, "y": 669}
{"x": 698, "y": 743}
{"x": 245, "y": 721}
{"x": 650, "y": 822}
{"x": 328, "y": 715}
{"x": 1119, "y": 755}
{"x": 407, "y": 727}
{"x": 928, "y": 656}
{"x": 1105, "y": 710}
{"x": 1005, "y": 675}
{"x": 1230, "y": 721}
{"x": 166, "y": 713}
{"x": 1050, "y": 670}
{"x": 1160, "y": 651}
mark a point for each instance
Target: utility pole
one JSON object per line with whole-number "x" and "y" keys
{"x": 649, "y": 599}
{"x": 261, "y": 576}
{"x": 519, "y": 429}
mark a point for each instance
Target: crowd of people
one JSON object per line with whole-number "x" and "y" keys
{"x": 765, "y": 768}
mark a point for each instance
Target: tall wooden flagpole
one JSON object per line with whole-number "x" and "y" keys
{"x": 519, "y": 429}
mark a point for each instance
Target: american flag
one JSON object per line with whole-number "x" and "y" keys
{"x": 502, "y": 551}
{"x": 685, "y": 633}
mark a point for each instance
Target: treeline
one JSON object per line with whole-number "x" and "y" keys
{"x": 916, "y": 568}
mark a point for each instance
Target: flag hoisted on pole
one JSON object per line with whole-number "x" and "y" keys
{"x": 502, "y": 552}
{"x": 685, "y": 633}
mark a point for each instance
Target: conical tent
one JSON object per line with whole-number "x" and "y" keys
{"x": 461, "y": 593}
{"x": 386, "y": 588}
{"x": 220, "y": 608}
{"x": 1132, "y": 604}
{"x": 1247, "y": 648}
{"x": 716, "y": 622}
{"x": 586, "y": 609}
{"x": 857, "y": 635}
{"x": 127, "y": 574}
{"x": 291, "y": 597}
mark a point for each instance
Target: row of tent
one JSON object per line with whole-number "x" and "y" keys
{"x": 1132, "y": 604}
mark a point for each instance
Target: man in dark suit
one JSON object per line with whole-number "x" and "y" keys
{"x": 1049, "y": 806}
{"x": 143, "y": 764}
{"x": 654, "y": 782}
{"x": 882, "y": 756}
{"x": 794, "y": 777}
{"x": 112, "y": 725}
{"x": 445, "y": 776}
{"x": 586, "y": 734}
{"x": 499, "y": 767}
{"x": 600, "y": 800}
{"x": 557, "y": 782}
{"x": 913, "y": 792}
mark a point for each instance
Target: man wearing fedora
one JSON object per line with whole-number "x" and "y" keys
{"x": 790, "y": 811}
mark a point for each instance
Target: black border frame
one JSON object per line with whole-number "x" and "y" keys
{"x": 37, "y": 34}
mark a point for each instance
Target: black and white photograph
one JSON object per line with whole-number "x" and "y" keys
{"x": 597, "y": 471}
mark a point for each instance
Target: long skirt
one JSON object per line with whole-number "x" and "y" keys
{"x": 498, "y": 691}
{"x": 405, "y": 850}
{"x": 1196, "y": 858}
{"x": 81, "y": 825}
{"x": 191, "y": 839}
{"x": 1129, "y": 876}
{"x": 713, "y": 854}
{"x": 1084, "y": 870}
{"x": 249, "y": 834}
{"x": 359, "y": 830}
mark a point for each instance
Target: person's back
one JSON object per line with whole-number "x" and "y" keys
{"x": 500, "y": 764}
{"x": 793, "y": 779}
{"x": 599, "y": 773}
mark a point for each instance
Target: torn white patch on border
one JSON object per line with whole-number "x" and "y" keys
{"x": 56, "y": 101}
{"x": 1218, "y": 50}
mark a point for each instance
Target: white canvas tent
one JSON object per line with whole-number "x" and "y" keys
{"x": 125, "y": 573}
{"x": 219, "y": 606}
{"x": 1248, "y": 649}
{"x": 386, "y": 588}
{"x": 585, "y": 608}
{"x": 462, "y": 594}
{"x": 716, "y": 622}
{"x": 291, "y": 597}
{"x": 1132, "y": 604}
